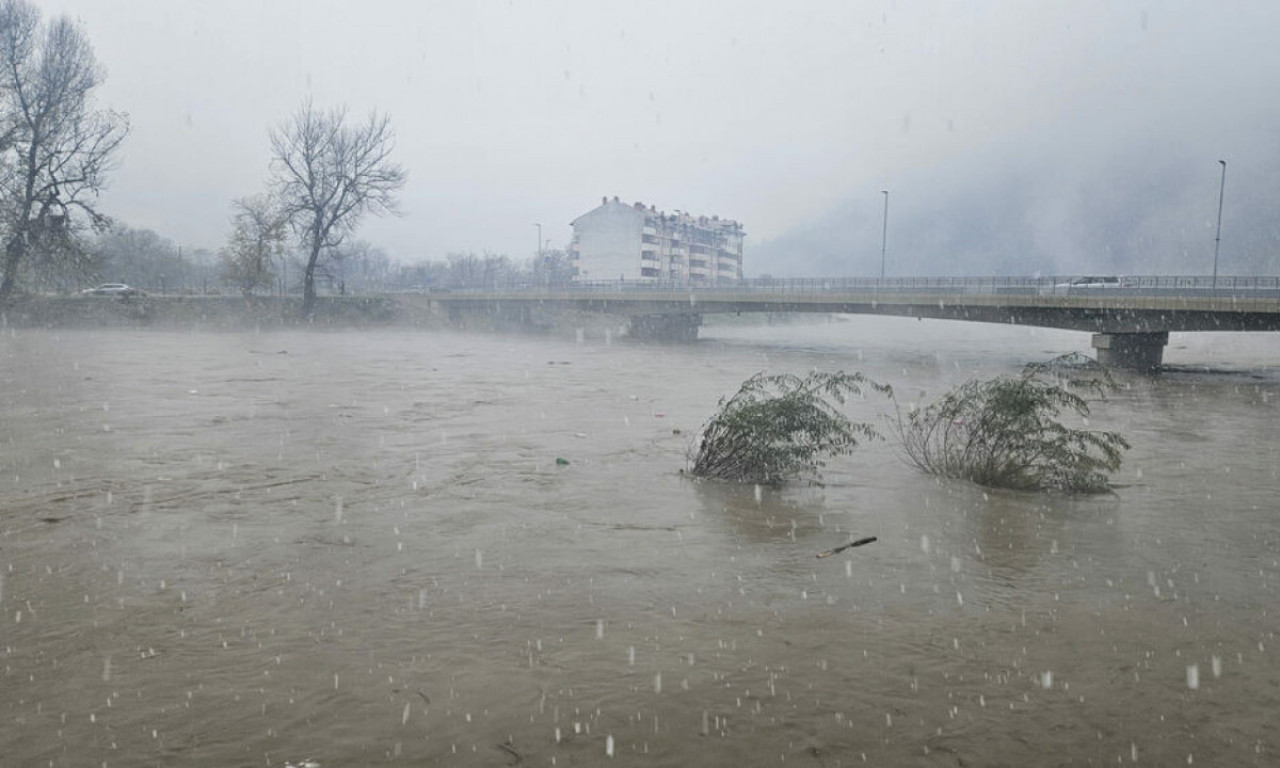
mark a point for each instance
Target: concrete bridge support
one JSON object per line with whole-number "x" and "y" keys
{"x": 674, "y": 327}
{"x": 1135, "y": 351}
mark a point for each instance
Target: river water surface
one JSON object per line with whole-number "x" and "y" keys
{"x": 359, "y": 548}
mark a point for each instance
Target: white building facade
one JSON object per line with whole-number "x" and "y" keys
{"x": 621, "y": 241}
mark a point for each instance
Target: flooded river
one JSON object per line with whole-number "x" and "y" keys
{"x": 359, "y": 548}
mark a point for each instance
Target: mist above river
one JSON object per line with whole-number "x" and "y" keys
{"x": 359, "y": 547}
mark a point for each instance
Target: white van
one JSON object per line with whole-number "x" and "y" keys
{"x": 1085, "y": 283}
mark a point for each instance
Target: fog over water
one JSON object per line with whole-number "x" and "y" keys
{"x": 358, "y": 547}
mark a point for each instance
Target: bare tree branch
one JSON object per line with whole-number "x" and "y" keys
{"x": 328, "y": 175}
{"x": 55, "y": 150}
{"x": 257, "y": 239}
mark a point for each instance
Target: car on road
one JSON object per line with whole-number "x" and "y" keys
{"x": 1085, "y": 283}
{"x": 113, "y": 289}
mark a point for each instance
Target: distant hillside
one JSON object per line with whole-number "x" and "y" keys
{"x": 1077, "y": 202}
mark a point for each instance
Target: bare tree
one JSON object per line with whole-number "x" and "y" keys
{"x": 357, "y": 265}
{"x": 328, "y": 175}
{"x": 552, "y": 268}
{"x": 257, "y": 239}
{"x": 466, "y": 270}
{"x": 55, "y": 151}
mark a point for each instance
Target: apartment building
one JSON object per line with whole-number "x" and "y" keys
{"x": 622, "y": 241}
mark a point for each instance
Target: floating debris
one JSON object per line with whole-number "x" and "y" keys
{"x": 843, "y": 547}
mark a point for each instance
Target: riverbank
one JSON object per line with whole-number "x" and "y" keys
{"x": 269, "y": 313}
{"x": 212, "y": 312}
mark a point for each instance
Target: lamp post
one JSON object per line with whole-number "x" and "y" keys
{"x": 884, "y": 233}
{"x": 537, "y": 256}
{"x": 1217, "y": 238}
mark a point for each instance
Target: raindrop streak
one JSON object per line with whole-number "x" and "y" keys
{"x": 608, "y": 745}
{"x": 599, "y": 629}
{"x": 1193, "y": 676}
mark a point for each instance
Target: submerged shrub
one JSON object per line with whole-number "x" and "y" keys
{"x": 781, "y": 427}
{"x": 1007, "y": 433}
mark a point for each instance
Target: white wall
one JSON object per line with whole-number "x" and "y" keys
{"x": 609, "y": 242}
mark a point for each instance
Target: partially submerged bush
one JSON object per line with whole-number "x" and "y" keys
{"x": 1006, "y": 432}
{"x": 781, "y": 427}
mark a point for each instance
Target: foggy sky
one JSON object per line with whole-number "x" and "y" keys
{"x": 989, "y": 122}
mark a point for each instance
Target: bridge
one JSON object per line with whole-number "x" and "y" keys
{"x": 1130, "y": 319}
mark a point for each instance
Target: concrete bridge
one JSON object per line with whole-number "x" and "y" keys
{"x": 1130, "y": 319}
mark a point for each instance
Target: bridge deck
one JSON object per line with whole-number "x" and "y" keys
{"x": 1126, "y": 310}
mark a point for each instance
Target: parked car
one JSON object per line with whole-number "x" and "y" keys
{"x": 113, "y": 289}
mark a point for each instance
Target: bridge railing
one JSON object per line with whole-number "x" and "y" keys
{"x": 1185, "y": 285}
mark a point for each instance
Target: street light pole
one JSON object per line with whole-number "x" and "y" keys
{"x": 537, "y": 255}
{"x": 1217, "y": 239}
{"x": 884, "y": 234}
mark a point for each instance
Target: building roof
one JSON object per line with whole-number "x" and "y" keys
{"x": 679, "y": 217}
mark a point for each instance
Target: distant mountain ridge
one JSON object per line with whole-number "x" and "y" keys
{"x": 1043, "y": 206}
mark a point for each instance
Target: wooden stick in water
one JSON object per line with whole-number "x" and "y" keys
{"x": 843, "y": 547}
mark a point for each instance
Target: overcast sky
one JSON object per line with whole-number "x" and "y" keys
{"x": 513, "y": 113}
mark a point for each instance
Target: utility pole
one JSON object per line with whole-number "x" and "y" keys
{"x": 884, "y": 234}
{"x": 1217, "y": 239}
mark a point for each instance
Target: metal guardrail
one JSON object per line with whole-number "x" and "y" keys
{"x": 1056, "y": 285}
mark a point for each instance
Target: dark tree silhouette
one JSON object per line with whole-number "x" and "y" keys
{"x": 327, "y": 175}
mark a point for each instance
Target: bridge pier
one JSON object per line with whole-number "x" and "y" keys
{"x": 1136, "y": 351}
{"x": 675, "y": 327}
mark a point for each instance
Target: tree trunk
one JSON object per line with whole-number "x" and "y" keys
{"x": 13, "y": 253}
{"x": 309, "y": 283}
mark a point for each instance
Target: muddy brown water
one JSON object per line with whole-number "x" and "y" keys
{"x": 359, "y": 548}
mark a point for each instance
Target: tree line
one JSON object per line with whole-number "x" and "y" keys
{"x": 327, "y": 172}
